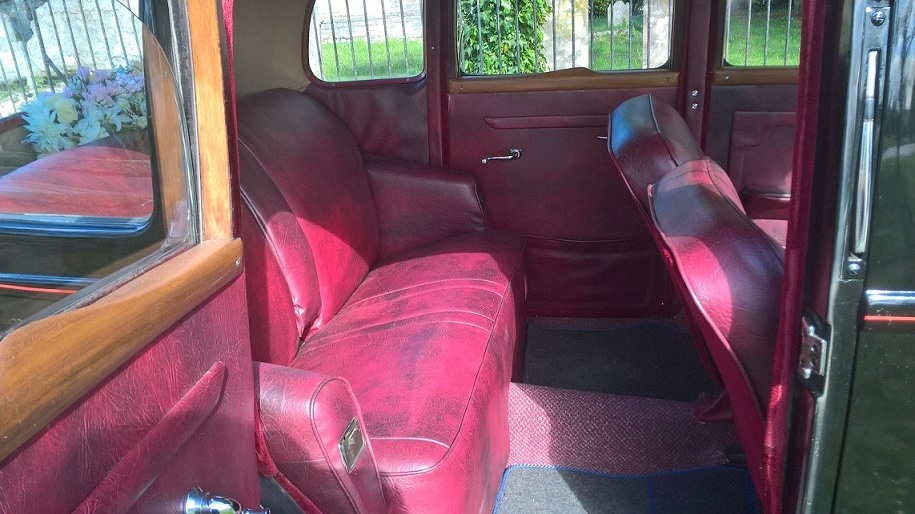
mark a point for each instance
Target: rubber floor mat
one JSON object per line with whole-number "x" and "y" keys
{"x": 652, "y": 359}
{"x": 531, "y": 489}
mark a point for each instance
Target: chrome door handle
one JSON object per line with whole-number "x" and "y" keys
{"x": 514, "y": 153}
{"x": 864, "y": 191}
{"x": 199, "y": 502}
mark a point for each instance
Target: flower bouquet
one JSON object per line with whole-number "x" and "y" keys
{"x": 94, "y": 105}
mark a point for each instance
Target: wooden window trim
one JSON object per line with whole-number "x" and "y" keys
{"x": 756, "y": 75}
{"x": 50, "y": 364}
{"x": 562, "y": 80}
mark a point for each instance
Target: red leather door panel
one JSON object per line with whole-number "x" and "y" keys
{"x": 590, "y": 253}
{"x": 178, "y": 414}
{"x": 751, "y": 135}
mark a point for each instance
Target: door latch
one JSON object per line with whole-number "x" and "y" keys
{"x": 199, "y": 502}
{"x": 812, "y": 363}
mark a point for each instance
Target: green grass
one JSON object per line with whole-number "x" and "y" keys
{"x": 616, "y": 44}
{"x": 354, "y": 60}
{"x": 737, "y": 54}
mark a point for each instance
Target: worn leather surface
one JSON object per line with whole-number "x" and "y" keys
{"x": 428, "y": 338}
{"x": 317, "y": 167}
{"x": 777, "y": 229}
{"x": 732, "y": 272}
{"x": 86, "y": 180}
{"x": 560, "y": 192}
{"x": 760, "y": 162}
{"x": 649, "y": 139}
{"x": 397, "y": 125}
{"x": 132, "y": 416}
{"x": 283, "y": 297}
{"x": 303, "y": 416}
{"x": 418, "y": 204}
{"x": 429, "y": 343}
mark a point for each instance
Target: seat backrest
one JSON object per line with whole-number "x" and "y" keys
{"x": 732, "y": 272}
{"x": 305, "y": 185}
{"x": 649, "y": 139}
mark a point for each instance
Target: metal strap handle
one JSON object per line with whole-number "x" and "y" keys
{"x": 864, "y": 191}
{"x": 514, "y": 153}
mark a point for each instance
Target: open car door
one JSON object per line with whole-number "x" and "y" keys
{"x": 125, "y": 364}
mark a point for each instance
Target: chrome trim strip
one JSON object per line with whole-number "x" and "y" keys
{"x": 45, "y": 280}
{"x": 65, "y": 225}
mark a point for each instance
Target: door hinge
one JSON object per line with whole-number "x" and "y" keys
{"x": 812, "y": 363}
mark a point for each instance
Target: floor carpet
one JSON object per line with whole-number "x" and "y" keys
{"x": 651, "y": 358}
{"x": 532, "y": 489}
{"x": 610, "y": 433}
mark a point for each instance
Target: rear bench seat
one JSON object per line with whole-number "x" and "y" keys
{"x": 380, "y": 273}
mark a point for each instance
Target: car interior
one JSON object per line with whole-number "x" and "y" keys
{"x": 444, "y": 283}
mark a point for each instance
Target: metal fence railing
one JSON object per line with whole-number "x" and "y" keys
{"x": 546, "y": 35}
{"x": 762, "y": 32}
{"x": 366, "y": 39}
{"x": 44, "y": 42}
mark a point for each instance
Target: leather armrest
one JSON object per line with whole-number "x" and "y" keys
{"x": 419, "y": 204}
{"x": 303, "y": 416}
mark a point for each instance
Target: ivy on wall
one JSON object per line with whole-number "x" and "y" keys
{"x": 520, "y": 47}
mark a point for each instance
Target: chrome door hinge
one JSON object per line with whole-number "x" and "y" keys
{"x": 812, "y": 363}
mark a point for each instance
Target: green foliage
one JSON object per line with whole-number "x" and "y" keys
{"x": 502, "y": 51}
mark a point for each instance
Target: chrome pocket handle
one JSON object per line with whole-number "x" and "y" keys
{"x": 514, "y": 153}
{"x": 199, "y": 502}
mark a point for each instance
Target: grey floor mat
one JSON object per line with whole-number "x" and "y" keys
{"x": 541, "y": 489}
{"x": 652, "y": 358}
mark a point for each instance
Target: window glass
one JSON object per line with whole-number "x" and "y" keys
{"x": 93, "y": 160}
{"x": 762, "y": 32}
{"x": 366, "y": 39}
{"x": 531, "y": 36}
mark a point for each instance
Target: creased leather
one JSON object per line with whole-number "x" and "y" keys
{"x": 732, "y": 272}
{"x": 59, "y": 468}
{"x": 649, "y": 139}
{"x": 303, "y": 415}
{"x": 419, "y": 204}
{"x": 316, "y": 165}
{"x": 428, "y": 336}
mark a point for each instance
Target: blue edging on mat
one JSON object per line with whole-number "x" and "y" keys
{"x": 751, "y": 508}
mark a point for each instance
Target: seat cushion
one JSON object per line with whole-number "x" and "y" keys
{"x": 777, "y": 229}
{"x": 429, "y": 343}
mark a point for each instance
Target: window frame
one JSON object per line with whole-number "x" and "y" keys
{"x": 768, "y": 73}
{"x": 326, "y": 84}
{"x": 75, "y": 350}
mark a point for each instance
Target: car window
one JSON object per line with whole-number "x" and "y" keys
{"x": 534, "y": 36}
{"x": 762, "y": 32}
{"x": 94, "y": 175}
{"x": 353, "y": 40}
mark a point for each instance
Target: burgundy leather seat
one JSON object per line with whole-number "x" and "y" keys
{"x": 649, "y": 139}
{"x": 383, "y": 273}
{"x": 732, "y": 273}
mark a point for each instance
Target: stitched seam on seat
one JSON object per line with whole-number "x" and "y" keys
{"x": 657, "y": 128}
{"x": 424, "y": 439}
{"x": 476, "y": 378}
{"x": 414, "y": 294}
{"x": 744, "y": 218}
{"x": 379, "y": 295}
{"x": 310, "y": 345}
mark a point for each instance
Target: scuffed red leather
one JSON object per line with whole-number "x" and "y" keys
{"x": 63, "y": 464}
{"x": 303, "y": 415}
{"x": 776, "y": 229}
{"x": 283, "y": 298}
{"x": 86, "y": 181}
{"x": 649, "y": 139}
{"x": 429, "y": 343}
{"x": 317, "y": 167}
{"x": 418, "y": 204}
{"x": 760, "y": 155}
{"x": 732, "y": 272}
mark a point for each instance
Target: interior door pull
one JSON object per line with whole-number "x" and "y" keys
{"x": 864, "y": 189}
{"x": 514, "y": 153}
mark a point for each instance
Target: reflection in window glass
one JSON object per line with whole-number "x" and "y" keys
{"x": 92, "y": 157}
{"x": 366, "y": 39}
{"x": 762, "y": 32}
{"x": 533, "y": 36}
